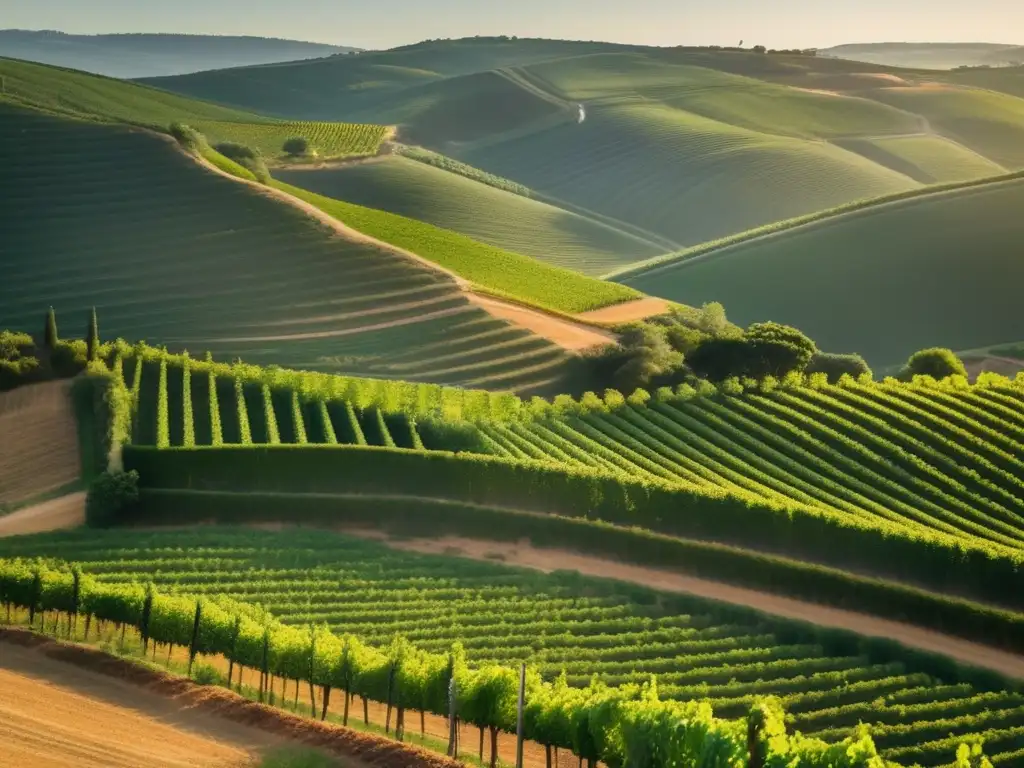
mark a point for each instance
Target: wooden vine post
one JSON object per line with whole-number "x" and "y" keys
{"x": 519, "y": 716}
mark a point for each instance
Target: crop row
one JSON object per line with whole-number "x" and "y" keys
{"x": 696, "y": 649}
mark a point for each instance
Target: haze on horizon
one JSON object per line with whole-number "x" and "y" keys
{"x": 785, "y": 24}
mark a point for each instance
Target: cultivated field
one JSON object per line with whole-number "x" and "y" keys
{"x": 178, "y": 256}
{"x": 967, "y": 241}
{"x": 564, "y": 622}
{"x": 489, "y": 215}
{"x": 38, "y": 443}
{"x": 81, "y": 95}
{"x": 934, "y": 470}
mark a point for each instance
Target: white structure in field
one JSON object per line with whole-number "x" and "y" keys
{"x": 583, "y": 114}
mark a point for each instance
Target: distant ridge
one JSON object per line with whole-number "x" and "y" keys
{"x": 154, "y": 55}
{"x": 930, "y": 55}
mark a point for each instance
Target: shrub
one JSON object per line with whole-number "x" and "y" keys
{"x": 112, "y": 497}
{"x": 835, "y": 366}
{"x": 296, "y": 145}
{"x": 247, "y": 157}
{"x": 68, "y": 358}
{"x": 766, "y": 349}
{"x": 936, "y": 362}
{"x": 205, "y": 674}
{"x": 189, "y": 138}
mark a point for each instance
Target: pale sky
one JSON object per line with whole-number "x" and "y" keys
{"x": 387, "y": 23}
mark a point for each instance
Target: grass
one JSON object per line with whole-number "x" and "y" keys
{"x": 699, "y": 649}
{"x": 484, "y": 213}
{"x": 115, "y": 218}
{"x": 679, "y": 175}
{"x": 78, "y": 94}
{"x": 496, "y": 271}
{"x": 859, "y": 280}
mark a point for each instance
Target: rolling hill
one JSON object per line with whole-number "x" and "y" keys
{"x": 485, "y": 213}
{"x": 116, "y": 218}
{"x": 884, "y": 281}
{"x": 142, "y": 55}
{"x": 929, "y": 55}
{"x": 680, "y": 146}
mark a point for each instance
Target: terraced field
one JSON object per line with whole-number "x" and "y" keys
{"x": 182, "y": 257}
{"x": 968, "y": 241}
{"x": 38, "y": 443}
{"x": 563, "y": 622}
{"x": 486, "y": 214}
{"x": 91, "y": 97}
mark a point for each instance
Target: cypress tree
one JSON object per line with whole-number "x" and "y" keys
{"x": 93, "y": 338}
{"x": 50, "y": 336}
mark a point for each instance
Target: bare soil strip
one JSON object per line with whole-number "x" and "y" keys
{"x": 55, "y": 714}
{"x": 221, "y": 718}
{"x": 570, "y": 336}
{"x": 566, "y": 334}
{"x": 627, "y": 312}
{"x": 38, "y": 441}
{"x": 53, "y": 515}
{"x": 547, "y": 560}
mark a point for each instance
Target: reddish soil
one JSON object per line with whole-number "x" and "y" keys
{"x": 53, "y": 515}
{"x": 627, "y": 312}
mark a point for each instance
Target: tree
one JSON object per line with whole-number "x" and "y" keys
{"x": 779, "y": 349}
{"x": 93, "y": 338}
{"x": 111, "y": 497}
{"x": 50, "y": 334}
{"x": 835, "y": 366}
{"x": 296, "y": 145}
{"x": 936, "y": 362}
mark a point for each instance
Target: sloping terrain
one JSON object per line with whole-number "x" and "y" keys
{"x": 883, "y": 281}
{"x": 90, "y": 97}
{"x": 928, "y": 159}
{"x": 487, "y": 214}
{"x": 38, "y": 443}
{"x": 123, "y": 221}
{"x": 141, "y": 55}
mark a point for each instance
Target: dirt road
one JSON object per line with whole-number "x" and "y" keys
{"x": 54, "y": 515}
{"x": 57, "y": 715}
{"x": 524, "y": 554}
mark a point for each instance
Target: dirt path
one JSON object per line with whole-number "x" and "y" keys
{"x": 53, "y": 515}
{"x": 546, "y": 560}
{"x": 55, "y": 714}
{"x": 568, "y": 335}
{"x": 627, "y": 312}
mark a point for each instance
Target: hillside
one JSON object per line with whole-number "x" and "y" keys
{"x": 966, "y": 240}
{"x": 89, "y": 97}
{"x": 680, "y": 146}
{"x": 183, "y": 257}
{"x": 142, "y": 55}
{"x": 485, "y": 213}
{"x": 929, "y": 55}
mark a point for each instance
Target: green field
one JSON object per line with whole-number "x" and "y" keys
{"x": 77, "y": 94}
{"x": 486, "y": 214}
{"x": 120, "y": 220}
{"x": 561, "y": 622}
{"x": 883, "y": 281}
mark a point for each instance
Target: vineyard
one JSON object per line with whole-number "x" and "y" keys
{"x": 91, "y": 97}
{"x": 918, "y": 709}
{"x": 919, "y": 483}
